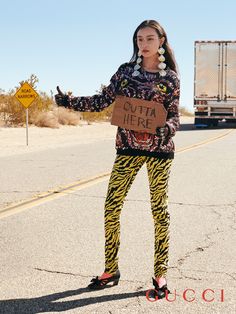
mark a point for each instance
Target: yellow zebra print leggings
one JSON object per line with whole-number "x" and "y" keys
{"x": 123, "y": 174}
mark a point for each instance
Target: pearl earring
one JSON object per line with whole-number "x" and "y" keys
{"x": 161, "y": 58}
{"x": 137, "y": 65}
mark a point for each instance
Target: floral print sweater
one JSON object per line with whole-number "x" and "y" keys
{"x": 147, "y": 86}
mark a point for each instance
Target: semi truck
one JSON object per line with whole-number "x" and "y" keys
{"x": 214, "y": 82}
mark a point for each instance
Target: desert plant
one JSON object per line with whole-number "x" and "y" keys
{"x": 44, "y": 113}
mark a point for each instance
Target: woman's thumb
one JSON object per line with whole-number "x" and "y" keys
{"x": 59, "y": 91}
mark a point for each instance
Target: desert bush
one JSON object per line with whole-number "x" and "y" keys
{"x": 185, "y": 112}
{"x": 46, "y": 119}
{"x": 13, "y": 113}
{"x": 67, "y": 116}
{"x": 104, "y": 115}
{"x": 44, "y": 113}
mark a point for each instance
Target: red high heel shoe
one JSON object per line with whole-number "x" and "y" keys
{"x": 101, "y": 283}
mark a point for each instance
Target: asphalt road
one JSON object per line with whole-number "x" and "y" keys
{"x": 52, "y": 247}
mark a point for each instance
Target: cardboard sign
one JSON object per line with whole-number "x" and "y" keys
{"x": 138, "y": 114}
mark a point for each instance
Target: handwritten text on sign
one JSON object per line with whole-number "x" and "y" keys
{"x": 138, "y": 114}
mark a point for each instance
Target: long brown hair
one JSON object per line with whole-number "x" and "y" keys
{"x": 169, "y": 55}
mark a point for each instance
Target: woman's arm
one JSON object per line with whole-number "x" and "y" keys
{"x": 172, "y": 121}
{"x": 96, "y": 102}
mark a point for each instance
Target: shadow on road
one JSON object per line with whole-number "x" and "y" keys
{"x": 48, "y": 303}
{"x": 192, "y": 127}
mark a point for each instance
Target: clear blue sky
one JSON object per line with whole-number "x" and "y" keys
{"x": 79, "y": 45}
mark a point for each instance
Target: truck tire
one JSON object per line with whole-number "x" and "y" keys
{"x": 208, "y": 122}
{"x": 214, "y": 122}
{"x": 200, "y": 121}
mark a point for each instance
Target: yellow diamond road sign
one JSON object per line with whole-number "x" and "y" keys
{"x": 26, "y": 95}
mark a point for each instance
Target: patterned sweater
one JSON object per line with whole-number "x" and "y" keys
{"x": 148, "y": 86}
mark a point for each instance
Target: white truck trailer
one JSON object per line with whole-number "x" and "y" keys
{"x": 214, "y": 82}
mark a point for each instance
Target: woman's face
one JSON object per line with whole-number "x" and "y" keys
{"x": 148, "y": 41}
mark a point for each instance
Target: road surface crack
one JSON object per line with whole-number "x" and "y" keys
{"x": 59, "y": 272}
{"x": 181, "y": 271}
{"x": 148, "y": 201}
{"x": 200, "y": 248}
{"x": 86, "y": 276}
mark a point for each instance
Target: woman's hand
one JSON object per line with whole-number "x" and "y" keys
{"x": 62, "y": 99}
{"x": 162, "y": 132}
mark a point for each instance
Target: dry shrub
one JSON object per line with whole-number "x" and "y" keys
{"x": 104, "y": 115}
{"x": 2, "y": 123}
{"x": 185, "y": 112}
{"x": 46, "y": 119}
{"x": 14, "y": 113}
{"x": 44, "y": 113}
{"x": 66, "y": 116}
{"x": 55, "y": 117}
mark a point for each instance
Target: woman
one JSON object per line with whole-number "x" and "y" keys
{"x": 150, "y": 75}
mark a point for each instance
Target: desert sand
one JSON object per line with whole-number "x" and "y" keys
{"x": 13, "y": 140}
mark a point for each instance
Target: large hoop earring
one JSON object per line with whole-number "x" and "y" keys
{"x": 161, "y": 58}
{"x": 137, "y": 65}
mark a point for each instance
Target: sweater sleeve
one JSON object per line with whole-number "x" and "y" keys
{"x": 172, "y": 121}
{"x": 99, "y": 101}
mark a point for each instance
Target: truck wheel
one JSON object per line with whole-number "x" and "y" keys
{"x": 200, "y": 122}
{"x": 214, "y": 122}
{"x": 211, "y": 122}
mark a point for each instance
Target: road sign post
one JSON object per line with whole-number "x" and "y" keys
{"x": 26, "y": 95}
{"x": 27, "y": 124}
